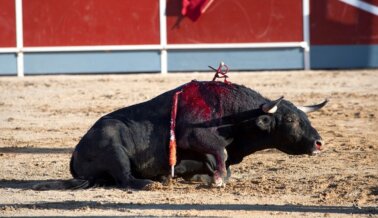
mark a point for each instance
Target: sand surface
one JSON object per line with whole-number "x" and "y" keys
{"x": 43, "y": 117}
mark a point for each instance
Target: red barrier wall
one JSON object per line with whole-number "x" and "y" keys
{"x": 120, "y": 22}
{"x": 7, "y": 23}
{"x": 230, "y": 21}
{"x": 337, "y": 23}
{"x": 90, "y": 22}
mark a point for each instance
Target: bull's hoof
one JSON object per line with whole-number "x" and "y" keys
{"x": 153, "y": 186}
{"x": 201, "y": 178}
{"x": 165, "y": 180}
{"x": 219, "y": 182}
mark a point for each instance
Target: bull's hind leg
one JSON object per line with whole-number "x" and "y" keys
{"x": 121, "y": 172}
{"x": 117, "y": 160}
{"x": 102, "y": 151}
{"x": 114, "y": 162}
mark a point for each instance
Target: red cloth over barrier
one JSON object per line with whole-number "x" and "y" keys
{"x": 194, "y": 8}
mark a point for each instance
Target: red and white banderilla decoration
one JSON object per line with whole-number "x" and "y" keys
{"x": 172, "y": 139}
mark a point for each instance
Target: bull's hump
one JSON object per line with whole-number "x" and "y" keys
{"x": 205, "y": 88}
{"x": 203, "y": 99}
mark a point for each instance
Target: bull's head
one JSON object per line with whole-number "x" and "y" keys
{"x": 289, "y": 127}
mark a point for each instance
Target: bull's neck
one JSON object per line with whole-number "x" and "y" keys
{"x": 245, "y": 144}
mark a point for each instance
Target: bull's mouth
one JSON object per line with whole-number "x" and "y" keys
{"x": 308, "y": 150}
{"x": 317, "y": 150}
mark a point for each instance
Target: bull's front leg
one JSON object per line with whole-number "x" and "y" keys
{"x": 220, "y": 173}
{"x": 214, "y": 165}
{"x": 207, "y": 142}
{"x": 199, "y": 168}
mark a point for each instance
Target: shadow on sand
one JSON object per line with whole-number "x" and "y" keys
{"x": 72, "y": 205}
{"x": 35, "y": 150}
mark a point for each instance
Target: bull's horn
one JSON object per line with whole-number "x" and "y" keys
{"x": 311, "y": 108}
{"x": 271, "y": 107}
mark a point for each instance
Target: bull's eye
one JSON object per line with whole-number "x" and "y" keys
{"x": 289, "y": 119}
{"x": 266, "y": 119}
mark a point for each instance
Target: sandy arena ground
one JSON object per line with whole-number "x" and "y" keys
{"x": 43, "y": 117}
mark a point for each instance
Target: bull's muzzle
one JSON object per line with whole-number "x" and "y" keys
{"x": 318, "y": 145}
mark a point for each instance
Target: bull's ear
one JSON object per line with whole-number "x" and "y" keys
{"x": 264, "y": 122}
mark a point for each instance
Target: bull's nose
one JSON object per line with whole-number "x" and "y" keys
{"x": 319, "y": 144}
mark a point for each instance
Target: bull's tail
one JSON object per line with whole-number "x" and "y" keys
{"x": 64, "y": 185}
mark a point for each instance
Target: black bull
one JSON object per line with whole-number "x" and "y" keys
{"x": 218, "y": 124}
